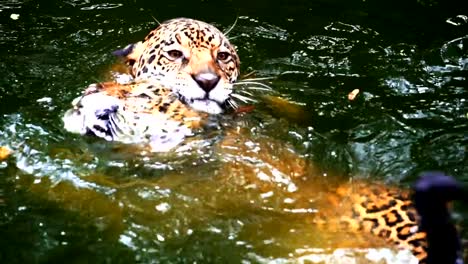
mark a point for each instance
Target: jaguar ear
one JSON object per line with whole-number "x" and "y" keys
{"x": 130, "y": 53}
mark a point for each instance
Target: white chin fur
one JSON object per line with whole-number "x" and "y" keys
{"x": 208, "y": 106}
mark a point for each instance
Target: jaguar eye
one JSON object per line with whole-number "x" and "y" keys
{"x": 222, "y": 56}
{"x": 175, "y": 54}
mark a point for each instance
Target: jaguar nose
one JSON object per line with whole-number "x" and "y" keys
{"x": 207, "y": 80}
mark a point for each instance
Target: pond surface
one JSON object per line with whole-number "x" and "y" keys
{"x": 69, "y": 198}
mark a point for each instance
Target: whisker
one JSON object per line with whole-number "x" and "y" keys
{"x": 233, "y": 104}
{"x": 232, "y": 38}
{"x": 258, "y": 79}
{"x": 229, "y": 103}
{"x": 249, "y": 74}
{"x": 157, "y": 21}
{"x": 259, "y": 88}
{"x": 256, "y": 83}
{"x": 244, "y": 99}
{"x": 245, "y": 92}
{"x": 232, "y": 27}
{"x": 251, "y": 82}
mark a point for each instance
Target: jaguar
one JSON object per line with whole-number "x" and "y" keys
{"x": 186, "y": 70}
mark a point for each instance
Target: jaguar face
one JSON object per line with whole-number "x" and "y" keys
{"x": 192, "y": 58}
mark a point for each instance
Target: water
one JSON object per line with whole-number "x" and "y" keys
{"x": 66, "y": 197}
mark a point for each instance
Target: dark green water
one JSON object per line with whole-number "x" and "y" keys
{"x": 65, "y": 198}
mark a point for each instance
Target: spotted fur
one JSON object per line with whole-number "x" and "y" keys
{"x": 383, "y": 211}
{"x": 141, "y": 112}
